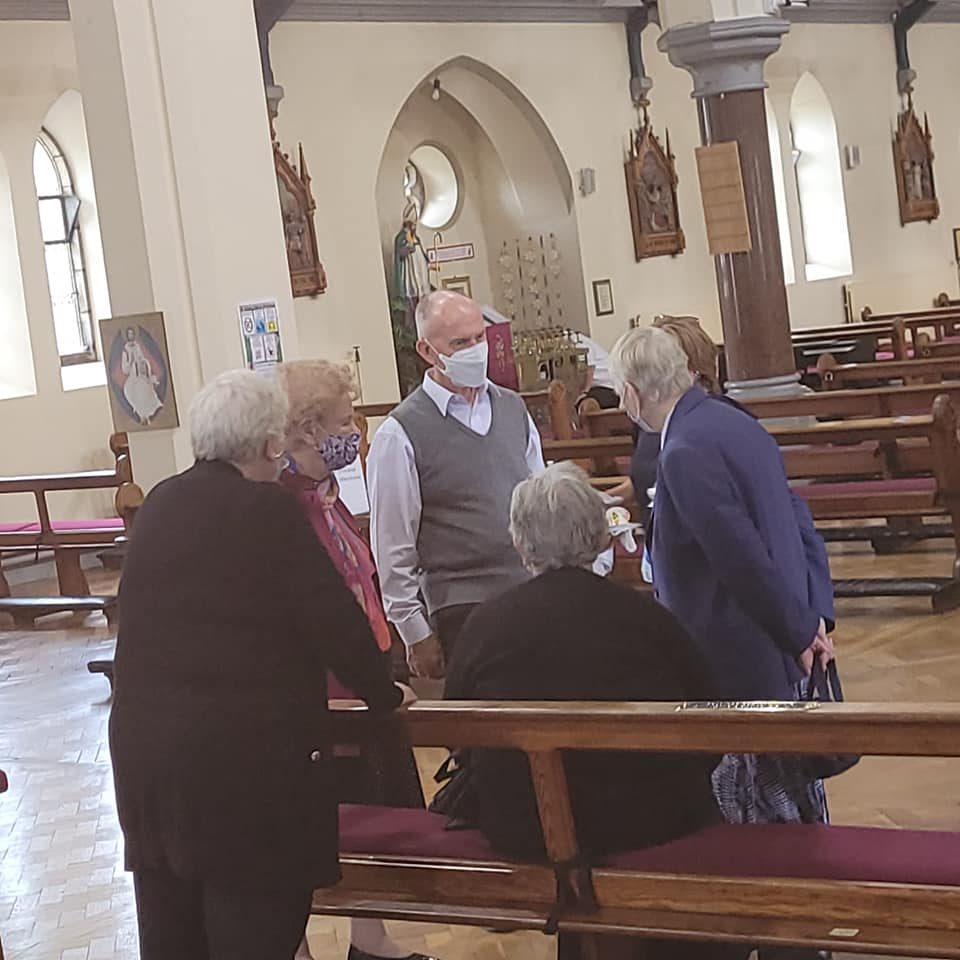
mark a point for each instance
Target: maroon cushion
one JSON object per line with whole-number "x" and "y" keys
{"x": 860, "y": 488}
{"x": 18, "y": 527}
{"x": 411, "y": 833}
{"x": 807, "y": 852}
{"x": 104, "y": 523}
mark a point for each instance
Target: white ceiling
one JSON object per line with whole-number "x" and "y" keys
{"x": 574, "y": 11}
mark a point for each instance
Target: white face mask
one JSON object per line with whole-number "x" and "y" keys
{"x": 465, "y": 368}
{"x": 635, "y": 417}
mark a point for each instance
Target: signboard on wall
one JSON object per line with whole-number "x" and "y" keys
{"x": 260, "y": 333}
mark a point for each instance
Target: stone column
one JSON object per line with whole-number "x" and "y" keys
{"x": 186, "y": 188}
{"x": 726, "y": 59}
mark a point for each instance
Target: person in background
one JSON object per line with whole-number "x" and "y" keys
{"x": 441, "y": 471}
{"x": 569, "y": 634}
{"x": 231, "y": 617}
{"x": 321, "y": 438}
{"x": 732, "y": 558}
{"x": 599, "y": 383}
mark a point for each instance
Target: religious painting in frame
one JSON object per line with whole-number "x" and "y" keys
{"x": 138, "y": 373}
{"x": 297, "y": 206}
{"x": 652, "y": 195}
{"x": 913, "y": 163}
{"x": 459, "y": 285}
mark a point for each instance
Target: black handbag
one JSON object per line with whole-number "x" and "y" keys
{"x": 824, "y": 686}
{"x": 455, "y": 800}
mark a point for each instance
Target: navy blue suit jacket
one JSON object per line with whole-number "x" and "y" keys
{"x": 736, "y": 557}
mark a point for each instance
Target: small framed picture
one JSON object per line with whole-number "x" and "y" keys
{"x": 956, "y": 243}
{"x": 459, "y": 285}
{"x": 603, "y": 297}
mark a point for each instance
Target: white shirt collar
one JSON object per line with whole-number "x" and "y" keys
{"x": 443, "y": 397}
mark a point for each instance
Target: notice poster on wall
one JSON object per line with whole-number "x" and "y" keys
{"x": 260, "y": 333}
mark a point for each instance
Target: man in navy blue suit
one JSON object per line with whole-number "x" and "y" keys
{"x": 734, "y": 552}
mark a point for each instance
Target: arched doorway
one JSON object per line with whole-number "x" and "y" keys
{"x": 469, "y": 163}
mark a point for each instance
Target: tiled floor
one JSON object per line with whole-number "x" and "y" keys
{"x": 64, "y": 895}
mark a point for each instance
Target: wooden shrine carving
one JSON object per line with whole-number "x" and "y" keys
{"x": 913, "y": 160}
{"x": 307, "y": 276}
{"x": 652, "y": 194}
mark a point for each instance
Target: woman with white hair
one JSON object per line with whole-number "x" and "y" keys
{"x": 231, "y": 616}
{"x": 569, "y": 634}
{"x": 320, "y": 438}
{"x": 735, "y": 557}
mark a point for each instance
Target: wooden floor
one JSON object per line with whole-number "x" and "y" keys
{"x": 63, "y": 892}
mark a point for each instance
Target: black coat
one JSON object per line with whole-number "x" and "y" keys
{"x": 231, "y": 613}
{"x": 571, "y": 635}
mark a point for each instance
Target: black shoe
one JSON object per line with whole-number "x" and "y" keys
{"x": 357, "y": 954}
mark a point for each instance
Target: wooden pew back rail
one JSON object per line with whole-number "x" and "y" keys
{"x": 860, "y": 889}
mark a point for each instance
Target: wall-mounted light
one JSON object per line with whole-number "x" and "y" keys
{"x": 435, "y": 96}
{"x": 588, "y": 181}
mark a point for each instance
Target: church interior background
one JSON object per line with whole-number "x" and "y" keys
{"x": 475, "y": 145}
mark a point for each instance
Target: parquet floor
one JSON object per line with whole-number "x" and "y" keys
{"x": 63, "y": 892}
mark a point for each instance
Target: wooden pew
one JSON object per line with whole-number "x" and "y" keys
{"x": 898, "y": 469}
{"x": 835, "y": 375}
{"x": 862, "y": 890}
{"x": 69, "y": 540}
{"x": 549, "y": 408}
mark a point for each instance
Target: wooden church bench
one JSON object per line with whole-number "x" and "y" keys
{"x": 835, "y": 375}
{"x": 858, "y": 889}
{"x": 69, "y": 539}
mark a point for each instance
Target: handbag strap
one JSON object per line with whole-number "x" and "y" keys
{"x": 825, "y": 683}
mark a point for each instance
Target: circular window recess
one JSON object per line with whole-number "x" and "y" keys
{"x": 441, "y": 188}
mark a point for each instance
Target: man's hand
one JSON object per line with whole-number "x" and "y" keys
{"x": 426, "y": 659}
{"x": 822, "y": 646}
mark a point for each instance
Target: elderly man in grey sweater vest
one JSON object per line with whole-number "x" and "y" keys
{"x": 441, "y": 471}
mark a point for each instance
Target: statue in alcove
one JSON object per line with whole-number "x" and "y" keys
{"x": 411, "y": 267}
{"x": 411, "y": 281}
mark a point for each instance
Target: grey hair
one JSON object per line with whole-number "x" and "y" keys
{"x": 234, "y": 416}
{"x": 652, "y": 362}
{"x": 427, "y": 308}
{"x": 558, "y": 520}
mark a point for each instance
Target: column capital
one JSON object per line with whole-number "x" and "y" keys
{"x": 724, "y": 56}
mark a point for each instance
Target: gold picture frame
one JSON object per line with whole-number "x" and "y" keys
{"x": 459, "y": 285}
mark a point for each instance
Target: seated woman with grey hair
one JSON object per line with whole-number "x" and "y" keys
{"x": 569, "y": 634}
{"x": 231, "y": 615}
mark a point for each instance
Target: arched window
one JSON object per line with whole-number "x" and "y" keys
{"x": 823, "y": 210}
{"x": 780, "y": 194}
{"x": 66, "y": 276}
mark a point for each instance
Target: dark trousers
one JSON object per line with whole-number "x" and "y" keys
{"x": 192, "y": 920}
{"x": 447, "y": 623}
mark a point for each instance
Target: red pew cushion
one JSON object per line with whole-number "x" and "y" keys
{"x": 410, "y": 833}
{"x": 861, "y": 488}
{"x": 64, "y": 526}
{"x": 807, "y": 852}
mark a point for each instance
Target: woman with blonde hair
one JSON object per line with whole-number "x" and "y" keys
{"x": 321, "y": 438}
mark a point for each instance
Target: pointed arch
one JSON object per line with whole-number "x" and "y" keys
{"x": 819, "y": 177}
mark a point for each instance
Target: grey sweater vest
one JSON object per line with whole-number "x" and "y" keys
{"x": 466, "y": 481}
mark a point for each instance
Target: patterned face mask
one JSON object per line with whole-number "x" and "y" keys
{"x": 339, "y": 451}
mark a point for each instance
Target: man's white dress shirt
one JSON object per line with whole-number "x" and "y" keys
{"x": 396, "y": 505}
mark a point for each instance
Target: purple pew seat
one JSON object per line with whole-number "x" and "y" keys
{"x": 806, "y": 852}
{"x": 65, "y": 526}
{"x": 409, "y": 832}
{"x": 795, "y": 851}
{"x": 862, "y": 488}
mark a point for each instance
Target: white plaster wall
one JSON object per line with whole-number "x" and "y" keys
{"x": 345, "y": 84}
{"x": 52, "y": 430}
